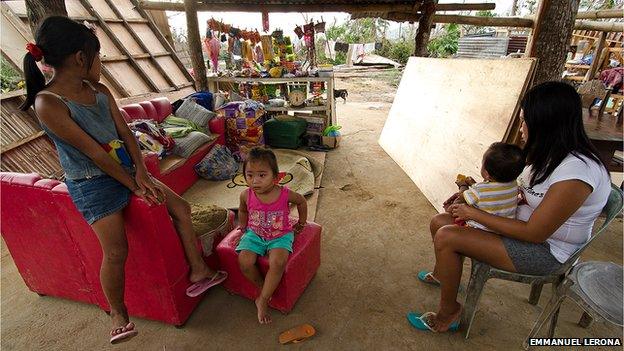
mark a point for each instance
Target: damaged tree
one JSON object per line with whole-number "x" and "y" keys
{"x": 551, "y": 35}
{"x": 38, "y": 10}
{"x": 424, "y": 28}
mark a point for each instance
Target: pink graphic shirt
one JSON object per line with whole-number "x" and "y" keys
{"x": 269, "y": 221}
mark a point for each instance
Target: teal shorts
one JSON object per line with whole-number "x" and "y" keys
{"x": 254, "y": 243}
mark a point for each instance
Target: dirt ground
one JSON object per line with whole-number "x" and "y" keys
{"x": 375, "y": 239}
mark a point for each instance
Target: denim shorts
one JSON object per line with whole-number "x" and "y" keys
{"x": 98, "y": 197}
{"x": 253, "y": 242}
{"x": 531, "y": 258}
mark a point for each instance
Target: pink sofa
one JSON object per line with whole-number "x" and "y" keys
{"x": 176, "y": 172}
{"x": 57, "y": 253}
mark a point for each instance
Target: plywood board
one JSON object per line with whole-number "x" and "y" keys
{"x": 446, "y": 113}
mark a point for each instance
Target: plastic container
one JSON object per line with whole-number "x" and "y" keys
{"x": 325, "y": 70}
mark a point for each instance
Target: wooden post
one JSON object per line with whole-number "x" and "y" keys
{"x": 194, "y": 42}
{"x": 551, "y": 35}
{"x": 597, "y": 61}
{"x": 424, "y": 28}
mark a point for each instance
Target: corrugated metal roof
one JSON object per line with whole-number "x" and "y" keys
{"x": 483, "y": 47}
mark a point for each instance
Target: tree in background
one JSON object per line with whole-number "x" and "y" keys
{"x": 601, "y": 4}
{"x": 445, "y": 44}
{"x": 37, "y": 10}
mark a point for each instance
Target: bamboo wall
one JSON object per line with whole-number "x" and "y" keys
{"x": 24, "y": 146}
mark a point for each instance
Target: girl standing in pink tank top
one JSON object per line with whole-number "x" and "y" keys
{"x": 264, "y": 219}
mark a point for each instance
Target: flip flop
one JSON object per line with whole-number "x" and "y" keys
{"x": 297, "y": 334}
{"x": 201, "y": 286}
{"x": 125, "y": 336}
{"x": 419, "y": 321}
{"x": 428, "y": 278}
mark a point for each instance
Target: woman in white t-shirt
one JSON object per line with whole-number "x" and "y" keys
{"x": 565, "y": 185}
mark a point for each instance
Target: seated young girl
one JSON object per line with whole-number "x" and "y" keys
{"x": 264, "y": 219}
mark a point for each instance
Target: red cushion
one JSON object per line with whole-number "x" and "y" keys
{"x": 163, "y": 108}
{"x": 135, "y": 111}
{"x": 150, "y": 111}
{"x": 125, "y": 115}
{"x": 20, "y": 178}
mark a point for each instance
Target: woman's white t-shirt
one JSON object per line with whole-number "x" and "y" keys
{"x": 577, "y": 229}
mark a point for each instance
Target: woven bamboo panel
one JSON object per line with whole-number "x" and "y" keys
{"x": 24, "y": 146}
{"x": 37, "y": 156}
{"x": 16, "y": 125}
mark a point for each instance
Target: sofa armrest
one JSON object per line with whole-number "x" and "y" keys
{"x": 152, "y": 163}
{"x": 217, "y": 126}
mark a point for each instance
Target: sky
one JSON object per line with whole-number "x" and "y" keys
{"x": 288, "y": 21}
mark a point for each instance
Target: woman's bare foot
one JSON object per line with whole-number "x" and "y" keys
{"x": 200, "y": 272}
{"x": 442, "y": 321}
{"x": 262, "y": 305}
{"x": 120, "y": 321}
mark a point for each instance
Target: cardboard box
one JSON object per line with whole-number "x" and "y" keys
{"x": 331, "y": 142}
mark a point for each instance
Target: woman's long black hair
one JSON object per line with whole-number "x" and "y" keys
{"x": 554, "y": 119}
{"x": 57, "y": 37}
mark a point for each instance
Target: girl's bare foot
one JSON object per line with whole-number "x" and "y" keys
{"x": 442, "y": 321}
{"x": 200, "y": 272}
{"x": 262, "y": 305}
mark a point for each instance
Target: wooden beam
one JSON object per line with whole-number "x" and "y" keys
{"x": 23, "y": 141}
{"x": 519, "y": 22}
{"x": 163, "y": 41}
{"x": 616, "y": 13}
{"x": 138, "y": 39}
{"x": 119, "y": 44}
{"x": 598, "y": 57}
{"x": 466, "y": 7}
{"x": 114, "y": 82}
{"x": 220, "y": 6}
{"x": 600, "y": 26}
{"x": 485, "y": 21}
{"x": 135, "y": 56}
{"x": 12, "y": 94}
{"x": 194, "y": 42}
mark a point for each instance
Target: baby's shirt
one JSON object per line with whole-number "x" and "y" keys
{"x": 269, "y": 221}
{"x": 499, "y": 199}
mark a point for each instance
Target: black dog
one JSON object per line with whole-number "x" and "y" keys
{"x": 341, "y": 93}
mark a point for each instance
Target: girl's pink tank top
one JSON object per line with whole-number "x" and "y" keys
{"x": 269, "y": 221}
